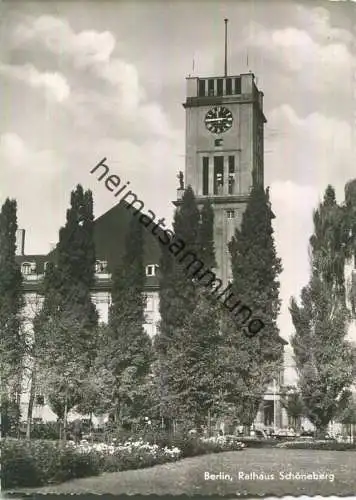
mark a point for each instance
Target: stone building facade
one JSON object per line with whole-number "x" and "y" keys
{"x": 224, "y": 157}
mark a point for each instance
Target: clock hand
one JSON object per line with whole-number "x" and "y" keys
{"x": 214, "y": 119}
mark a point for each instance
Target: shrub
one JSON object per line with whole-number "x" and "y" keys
{"x": 45, "y": 430}
{"x": 317, "y": 445}
{"x": 36, "y": 463}
{"x": 253, "y": 442}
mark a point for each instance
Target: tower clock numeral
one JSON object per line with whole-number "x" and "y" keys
{"x": 218, "y": 120}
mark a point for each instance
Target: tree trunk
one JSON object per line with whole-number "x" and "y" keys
{"x": 31, "y": 402}
{"x": 18, "y": 391}
{"x": 90, "y": 426}
{"x": 65, "y": 416}
{"x": 321, "y": 431}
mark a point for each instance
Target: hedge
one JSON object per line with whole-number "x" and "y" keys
{"x": 317, "y": 445}
{"x": 253, "y": 442}
{"x": 39, "y": 463}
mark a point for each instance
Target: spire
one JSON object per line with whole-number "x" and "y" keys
{"x": 225, "y": 67}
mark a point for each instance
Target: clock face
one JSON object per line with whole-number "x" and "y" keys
{"x": 218, "y": 120}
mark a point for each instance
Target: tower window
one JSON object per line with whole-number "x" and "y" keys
{"x": 230, "y": 214}
{"x": 237, "y": 85}
{"x": 231, "y": 164}
{"x": 228, "y": 86}
{"x": 205, "y": 175}
{"x": 151, "y": 270}
{"x": 219, "y": 86}
{"x": 218, "y": 174}
{"x": 201, "y": 88}
{"x": 231, "y": 174}
{"x": 218, "y": 142}
{"x": 210, "y": 87}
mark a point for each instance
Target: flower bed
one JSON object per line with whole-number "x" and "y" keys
{"x": 38, "y": 463}
{"x": 317, "y": 445}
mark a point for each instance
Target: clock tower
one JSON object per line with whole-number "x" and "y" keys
{"x": 224, "y": 151}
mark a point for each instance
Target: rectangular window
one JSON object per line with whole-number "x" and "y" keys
{"x": 220, "y": 86}
{"x": 149, "y": 303}
{"x": 228, "y": 86}
{"x": 218, "y": 142}
{"x": 230, "y": 214}
{"x": 201, "y": 88}
{"x": 218, "y": 174}
{"x": 231, "y": 174}
{"x": 151, "y": 270}
{"x": 237, "y": 85}
{"x": 210, "y": 87}
{"x": 205, "y": 175}
{"x": 231, "y": 164}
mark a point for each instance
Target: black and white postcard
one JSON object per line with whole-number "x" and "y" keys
{"x": 178, "y": 247}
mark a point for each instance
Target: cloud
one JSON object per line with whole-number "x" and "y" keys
{"x": 120, "y": 101}
{"x": 312, "y": 50}
{"x": 88, "y": 49}
{"x": 312, "y": 150}
{"x": 317, "y": 22}
{"x": 55, "y": 85}
{"x": 16, "y": 156}
{"x": 31, "y": 176}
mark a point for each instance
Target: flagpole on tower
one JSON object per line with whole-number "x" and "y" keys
{"x": 225, "y": 66}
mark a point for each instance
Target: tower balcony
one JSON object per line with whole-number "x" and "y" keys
{"x": 212, "y": 90}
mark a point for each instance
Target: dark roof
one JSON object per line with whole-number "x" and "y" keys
{"x": 110, "y": 235}
{"x": 110, "y": 231}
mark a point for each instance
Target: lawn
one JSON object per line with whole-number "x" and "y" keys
{"x": 187, "y": 476}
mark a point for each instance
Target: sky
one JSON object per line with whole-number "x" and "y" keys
{"x": 83, "y": 80}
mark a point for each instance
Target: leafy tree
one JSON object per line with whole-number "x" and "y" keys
{"x": 349, "y": 224}
{"x": 348, "y": 415}
{"x": 328, "y": 243}
{"x": 128, "y": 348}
{"x": 206, "y": 235}
{"x": 65, "y": 330}
{"x": 324, "y": 359}
{"x": 252, "y": 360}
{"x": 292, "y": 402}
{"x": 10, "y": 417}
{"x": 12, "y": 339}
{"x": 178, "y": 300}
{"x": 195, "y": 350}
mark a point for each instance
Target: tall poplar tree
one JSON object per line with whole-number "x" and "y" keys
{"x": 252, "y": 361}
{"x": 195, "y": 367}
{"x": 128, "y": 351}
{"x": 12, "y": 340}
{"x": 349, "y": 223}
{"x": 178, "y": 300}
{"x": 324, "y": 359}
{"x": 65, "y": 329}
